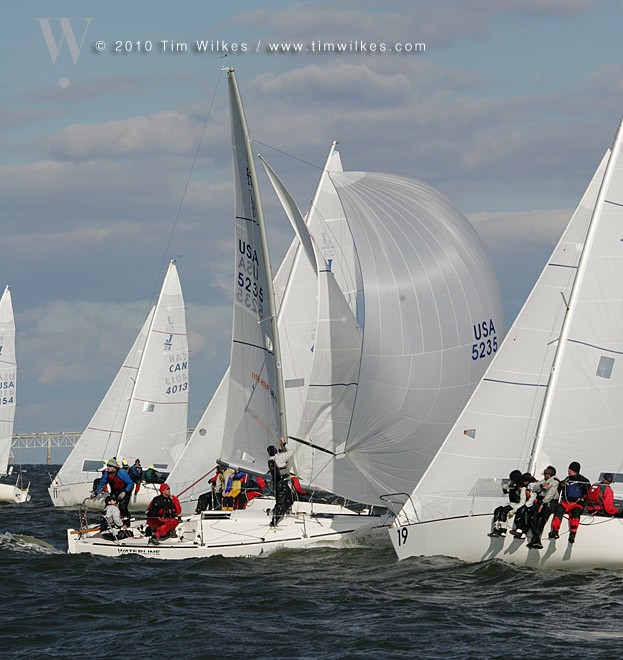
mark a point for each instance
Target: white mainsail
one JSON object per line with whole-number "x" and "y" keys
{"x": 8, "y": 378}
{"x": 144, "y": 412}
{"x": 495, "y": 432}
{"x": 254, "y": 417}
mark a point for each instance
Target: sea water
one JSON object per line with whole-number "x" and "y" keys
{"x": 332, "y": 602}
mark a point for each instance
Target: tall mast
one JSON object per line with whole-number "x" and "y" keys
{"x": 564, "y": 331}
{"x": 283, "y": 431}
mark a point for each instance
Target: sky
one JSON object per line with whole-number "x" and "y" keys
{"x": 115, "y": 152}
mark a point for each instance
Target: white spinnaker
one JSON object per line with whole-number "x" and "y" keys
{"x": 253, "y": 416}
{"x": 8, "y": 378}
{"x": 155, "y": 427}
{"x": 427, "y": 285}
{"x": 495, "y": 432}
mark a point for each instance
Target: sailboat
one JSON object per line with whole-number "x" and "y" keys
{"x": 14, "y": 492}
{"x": 144, "y": 413}
{"x": 552, "y": 395}
{"x": 247, "y": 413}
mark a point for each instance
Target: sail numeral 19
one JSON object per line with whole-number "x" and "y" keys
{"x": 403, "y": 532}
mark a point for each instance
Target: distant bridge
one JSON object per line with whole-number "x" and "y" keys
{"x": 49, "y": 440}
{"x": 45, "y": 440}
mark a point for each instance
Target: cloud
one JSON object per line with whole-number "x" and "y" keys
{"x": 440, "y": 25}
{"x": 164, "y": 133}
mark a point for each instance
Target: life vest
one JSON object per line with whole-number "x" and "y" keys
{"x": 162, "y": 507}
{"x": 115, "y": 483}
{"x": 595, "y": 497}
{"x": 574, "y": 491}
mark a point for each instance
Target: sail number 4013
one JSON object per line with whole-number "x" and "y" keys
{"x": 486, "y": 341}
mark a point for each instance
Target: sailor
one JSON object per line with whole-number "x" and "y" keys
{"x": 163, "y": 515}
{"x": 600, "y": 498}
{"x": 526, "y": 501}
{"x": 120, "y": 486}
{"x": 278, "y": 466}
{"x": 111, "y": 522}
{"x": 152, "y": 476}
{"x": 501, "y": 514}
{"x": 546, "y": 492}
{"x": 136, "y": 474}
{"x": 573, "y": 491}
{"x": 212, "y": 499}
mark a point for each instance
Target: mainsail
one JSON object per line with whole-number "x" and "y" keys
{"x": 254, "y": 416}
{"x": 498, "y": 430}
{"x": 8, "y": 378}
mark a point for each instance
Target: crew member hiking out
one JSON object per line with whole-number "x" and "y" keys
{"x": 573, "y": 491}
{"x": 600, "y": 499}
{"x": 501, "y": 513}
{"x": 546, "y": 492}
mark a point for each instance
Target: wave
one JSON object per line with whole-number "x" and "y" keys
{"x": 26, "y": 544}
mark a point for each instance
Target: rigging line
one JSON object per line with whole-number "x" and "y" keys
{"x": 285, "y": 153}
{"x": 311, "y": 444}
{"x": 190, "y": 173}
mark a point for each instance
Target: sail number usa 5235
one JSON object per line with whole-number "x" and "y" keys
{"x": 248, "y": 290}
{"x": 486, "y": 341}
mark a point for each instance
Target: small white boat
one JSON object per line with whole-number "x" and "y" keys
{"x": 14, "y": 492}
{"x": 552, "y": 395}
{"x": 144, "y": 413}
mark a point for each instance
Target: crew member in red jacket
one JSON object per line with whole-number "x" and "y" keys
{"x": 600, "y": 499}
{"x": 163, "y": 515}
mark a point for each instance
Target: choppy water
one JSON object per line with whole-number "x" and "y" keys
{"x": 350, "y": 602}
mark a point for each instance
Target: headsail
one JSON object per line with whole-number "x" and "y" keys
{"x": 155, "y": 428}
{"x": 144, "y": 413}
{"x": 331, "y": 384}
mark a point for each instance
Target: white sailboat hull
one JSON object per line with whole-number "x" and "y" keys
{"x": 14, "y": 494}
{"x": 72, "y": 495}
{"x": 243, "y": 533}
{"x": 597, "y": 545}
